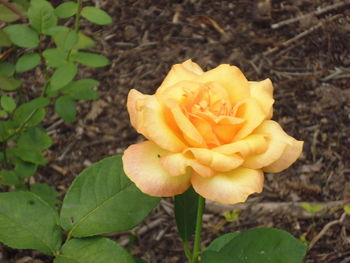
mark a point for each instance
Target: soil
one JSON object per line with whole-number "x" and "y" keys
{"x": 307, "y": 60}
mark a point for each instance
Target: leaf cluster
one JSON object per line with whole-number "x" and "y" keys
{"x": 35, "y": 39}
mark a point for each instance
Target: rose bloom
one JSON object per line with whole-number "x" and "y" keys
{"x": 211, "y": 130}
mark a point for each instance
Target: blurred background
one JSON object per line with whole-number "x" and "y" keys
{"x": 301, "y": 45}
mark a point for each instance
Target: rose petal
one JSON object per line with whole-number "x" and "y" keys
{"x": 215, "y": 160}
{"x": 251, "y": 145}
{"x": 177, "y": 164}
{"x": 231, "y": 78}
{"x": 262, "y": 92}
{"x": 290, "y": 154}
{"x": 142, "y": 165}
{"x": 277, "y": 141}
{"x": 231, "y": 187}
{"x": 135, "y": 98}
{"x": 205, "y": 128}
{"x": 189, "y": 131}
{"x": 179, "y": 72}
{"x": 155, "y": 126}
{"x": 251, "y": 112}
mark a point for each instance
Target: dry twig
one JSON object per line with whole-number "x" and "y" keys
{"x": 316, "y": 12}
{"x": 325, "y": 229}
{"x": 293, "y": 209}
{"x": 301, "y": 35}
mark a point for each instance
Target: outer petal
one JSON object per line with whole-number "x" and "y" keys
{"x": 185, "y": 71}
{"x": 262, "y": 91}
{"x": 215, "y": 160}
{"x": 251, "y": 145}
{"x": 135, "y": 98}
{"x": 155, "y": 127}
{"x": 230, "y": 187}
{"x": 231, "y": 78}
{"x": 290, "y": 154}
{"x": 142, "y": 165}
{"x": 278, "y": 141}
{"x": 177, "y": 164}
{"x": 252, "y": 113}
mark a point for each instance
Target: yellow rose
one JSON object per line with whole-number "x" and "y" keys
{"x": 209, "y": 129}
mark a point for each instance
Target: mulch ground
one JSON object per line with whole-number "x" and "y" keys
{"x": 308, "y": 61}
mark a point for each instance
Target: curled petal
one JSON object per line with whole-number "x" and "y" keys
{"x": 290, "y": 154}
{"x": 277, "y": 141}
{"x": 231, "y": 78}
{"x": 179, "y": 72}
{"x": 251, "y": 145}
{"x": 152, "y": 123}
{"x": 176, "y": 164}
{"x": 189, "y": 131}
{"x": 217, "y": 161}
{"x": 231, "y": 187}
{"x": 142, "y": 165}
{"x": 252, "y": 113}
{"x": 262, "y": 91}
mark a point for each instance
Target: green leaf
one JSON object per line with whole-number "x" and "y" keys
{"x": 6, "y": 15}
{"x": 347, "y": 209}
{"x": 96, "y": 15}
{"x": 8, "y": 178}
{"x": 312, "y": 208}
{"x": 66, "y": 108}
{"x": 231, "y": 216}
{"x": 8, "y": 103}
{"x": 186, "y": 206}
{"x": 90, "y": 59}
{"x": 27, "y": 62}
{"x": 36, "y": 138}
{"x": 7, "y": 69}
{"x": 31, "y": 112}
{"x": 27, "y": 222}
{"x": 4, "y": 39}
{"x": 222, "y": 241}
{"x": 84, "y": 42}
{"x": 82, "y": 89}
{"x": 55, "y": 57}
{"x": 7, "y": 128}
{"x": 3, "y": 114}
{"x": 63, "y": 75}
{"x": 23, "y": 3}
{"x": 45, "y": 192}
{"x": 41, "y": 15}
{"x": 65, "y": 38}
{"x": 29, "y": 154}
{"x": 66, "y": 9}
{"x": 22, "y": 36}
{"x": 24, "y": 169}
{"x": 9, "y": 83}
{"x": 261, "y": 245}
{"x": 93, "y": 250}
{"x": 103, "y": 200}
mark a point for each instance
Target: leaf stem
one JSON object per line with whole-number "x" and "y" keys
{"x": 11, "y": 7}
{"x": 77, "y": 16}
{"x": 187, "y": 250}
{"x": 197, "y": 235}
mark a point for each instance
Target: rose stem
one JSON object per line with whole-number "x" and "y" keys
{"x": 197, "y": 235}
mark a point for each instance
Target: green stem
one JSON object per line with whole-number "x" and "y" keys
{"x": 187, "y": 250}
{"x": 197, "y": 235}
{"x": 77, "y": 16}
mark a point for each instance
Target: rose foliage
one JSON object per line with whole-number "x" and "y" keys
{"x": 212, "y": 130}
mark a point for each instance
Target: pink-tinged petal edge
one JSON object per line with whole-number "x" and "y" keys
{"x": 142, "y": 165}
{"x": 230, "y": 187}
